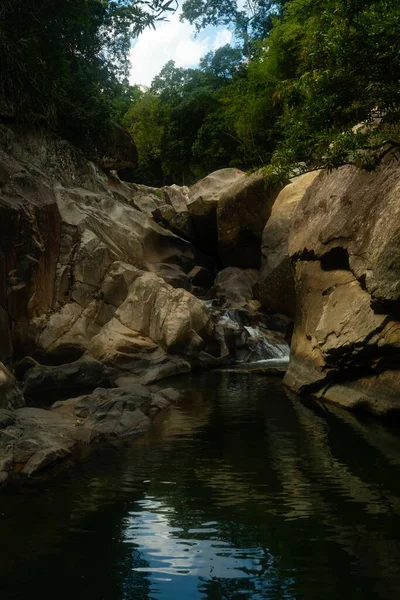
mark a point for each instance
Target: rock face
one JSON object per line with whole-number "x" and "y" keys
{"x": 345, "y": 248}
{"x": 243, "y": 210}
{"x": 116, "y": 150}
{"x": 276, "y": 288}
{"x": 100, "y": 287}
{"x": 72, "y": 242}
{"x": 203, "y": 202}
{"x": 234, "y": 288}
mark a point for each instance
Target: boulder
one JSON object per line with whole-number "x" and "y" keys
{"x": 10, "y": 394}
{"x": 179, "y": 223}
{"x": 201, "y": 277}
{"x": 116, "y": 412}
{"x": 78, "y": 376}
{"x": 202, "y": 206}
{"x": 113, "y": 150}
{"x": 173, "y": 318}
{"x": 33, "y": 440}
{"x": 276, "y": 288}
{"x": 41, "y": 438}
{"x": 243, "y": 210}
{"x": 209, "y": 188}
{"x": 135, "y": 319}
{"x": 234, "y": 288}
{"x": 345, "y": 246}
{"x": 177, "y": 197}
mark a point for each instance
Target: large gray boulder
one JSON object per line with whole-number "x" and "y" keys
{"x": 243, "y": 210}
{"x": 79, "y": 376}
{"x": 345, "y": 246}
{"x": 203, "y": 203}
{"x": 276, "y": 287}
{"x": 32, "y": 440}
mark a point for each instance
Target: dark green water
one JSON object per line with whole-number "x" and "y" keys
{"x": 239, "y": 493}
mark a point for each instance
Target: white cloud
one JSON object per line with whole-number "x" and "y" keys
{"x": 223, "y": 37}
{"x": 172, "y": 40}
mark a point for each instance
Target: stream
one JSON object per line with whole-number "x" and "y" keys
{"x": 239, "y": 493}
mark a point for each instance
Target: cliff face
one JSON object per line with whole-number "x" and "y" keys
{"x": 92, "y": 265}
{"x": 342, "y": 237}
{"x": 72, "y": 241}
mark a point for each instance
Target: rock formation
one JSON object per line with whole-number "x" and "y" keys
{"x": 344, "y": 245}
{"x": 276, "y": 288}
{"x": 101, "y": 278}
{"x": 243, "y": 210}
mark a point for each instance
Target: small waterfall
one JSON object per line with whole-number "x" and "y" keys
{"x": 264, "y": 348}
{"x": 247, "y": 343}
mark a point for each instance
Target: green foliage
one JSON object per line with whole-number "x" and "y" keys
{"x": 251, "y": 20}
{"x": 347, "y": 66}
{"x": 319, "y": 88}
{"x": 62, "y": 63}
{"x": 186, "y": 132}
{"x": 144, "y": 122}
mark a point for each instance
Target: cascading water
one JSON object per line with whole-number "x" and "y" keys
{"x": 247, "y": 343}
{"x": 265, "y": 349}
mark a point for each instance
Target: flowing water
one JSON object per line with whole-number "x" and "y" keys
{"x": 240, "y": 493}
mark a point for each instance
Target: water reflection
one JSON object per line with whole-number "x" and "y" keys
{"x": 241, "y": 493}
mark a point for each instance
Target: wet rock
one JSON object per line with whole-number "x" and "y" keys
{"x": 377, "y": 393}
{"x": 45, "y": 438}
{"x": 116, "y": 412}
{"x": 173, "y": 366}
{"x": 33, "y": 440}
{"x": 77, "y": 376}
{"x": 171, "y": 395}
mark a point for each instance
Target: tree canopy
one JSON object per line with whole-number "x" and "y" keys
{"x": 311, "y": 84}
{"x": 63, "y": 63}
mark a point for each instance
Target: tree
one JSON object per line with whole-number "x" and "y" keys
{"x": 250, "y": 20}
{"x": 224, "y": 63}
{"x": 340, "y": 68}
{"x": 145, "y": 122}
{"x": 61, "y": 63}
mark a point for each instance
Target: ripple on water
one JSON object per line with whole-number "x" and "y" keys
{"x": 238, "y": 494}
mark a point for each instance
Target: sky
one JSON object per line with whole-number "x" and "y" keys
{"x": 172, "y": 40}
